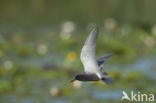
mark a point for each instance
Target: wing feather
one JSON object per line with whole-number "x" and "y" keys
{"x": 102, "y": 60}
{"x": 88, "y": 53}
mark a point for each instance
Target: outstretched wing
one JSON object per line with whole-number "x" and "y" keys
{"x": 88, "y": 53}
{"x": 102, "y": 60}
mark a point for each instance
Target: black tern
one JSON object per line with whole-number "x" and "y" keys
{"x": 92, "y": 66}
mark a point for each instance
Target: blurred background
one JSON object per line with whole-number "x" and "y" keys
{"x": 40, "y": 43}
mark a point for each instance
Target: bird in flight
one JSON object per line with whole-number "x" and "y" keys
{"x": 92, "y": 65}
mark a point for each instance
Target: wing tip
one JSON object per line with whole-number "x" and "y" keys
{"x": 93, "y": 27}
{"x": 96, "y": 28}
{"x": 109, "y": 55}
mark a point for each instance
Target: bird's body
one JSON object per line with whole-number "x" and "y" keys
{"x": 87, "y": 77}
{"x": 92, "y": 66}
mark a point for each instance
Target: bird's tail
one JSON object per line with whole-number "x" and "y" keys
{"x": 107, "y": 80}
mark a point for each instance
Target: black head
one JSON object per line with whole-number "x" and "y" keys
{"x": 78, "y": 77}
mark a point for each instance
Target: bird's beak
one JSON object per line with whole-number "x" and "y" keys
{"x": 72, "y": 80}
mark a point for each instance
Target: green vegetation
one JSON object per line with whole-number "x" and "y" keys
{"x": 40, "y": 42}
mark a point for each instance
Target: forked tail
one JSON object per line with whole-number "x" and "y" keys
{"x": 107, "y": 80}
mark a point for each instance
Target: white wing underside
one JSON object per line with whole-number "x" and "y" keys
{"x": 88, "y": 54}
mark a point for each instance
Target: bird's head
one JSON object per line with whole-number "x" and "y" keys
{"x": 77, "y": 77}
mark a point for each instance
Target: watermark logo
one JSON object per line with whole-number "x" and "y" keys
{"x": 137, "y": 96}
